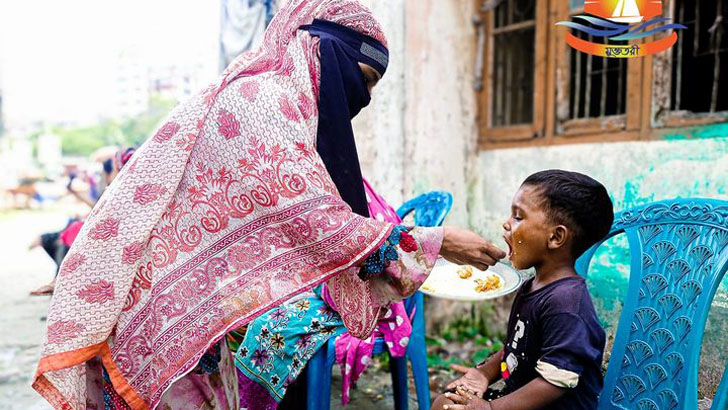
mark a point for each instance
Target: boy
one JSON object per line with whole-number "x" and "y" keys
{"x": 553, "y": 350}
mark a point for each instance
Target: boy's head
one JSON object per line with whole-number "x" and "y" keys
{"x": 556, "y": 214}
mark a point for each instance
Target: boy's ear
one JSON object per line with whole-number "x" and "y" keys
{"x": 559, "y": 236}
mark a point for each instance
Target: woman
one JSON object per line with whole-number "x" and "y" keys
{"x": 247, "y": 196}
{"x": 277, "y": 346}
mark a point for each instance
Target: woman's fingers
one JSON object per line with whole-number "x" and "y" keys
{"x": 488, "y": 260}
{"x": 494, "y": 251}
{"x": 480, "y": 266}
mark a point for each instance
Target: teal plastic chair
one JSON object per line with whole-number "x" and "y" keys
{"x": 429, "y": 209}
{"x": 679, "y": 255}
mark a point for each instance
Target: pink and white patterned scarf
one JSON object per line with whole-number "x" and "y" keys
{"x": 353, "y": 354}
{"x": 224, "y": 213}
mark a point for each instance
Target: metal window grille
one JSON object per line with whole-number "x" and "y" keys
{"x": 513, "y": 62}
{"x": 597, "y": 85}
{"x": 700, "y": 59}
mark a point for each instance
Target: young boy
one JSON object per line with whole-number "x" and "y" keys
{"x": 553, "y": 348}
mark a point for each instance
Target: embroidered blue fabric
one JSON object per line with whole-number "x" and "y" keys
{"x": 379, "y": 259}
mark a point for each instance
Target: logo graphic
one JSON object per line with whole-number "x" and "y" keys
{"x": 623, "y": 21}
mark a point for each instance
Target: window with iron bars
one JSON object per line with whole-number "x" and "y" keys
{"x": 700, "y": 58}
{"x": 513, "y": 62}
{"x": 597, "y": 85}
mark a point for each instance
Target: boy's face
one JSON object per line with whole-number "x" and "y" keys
{"x": 527, "y": 230}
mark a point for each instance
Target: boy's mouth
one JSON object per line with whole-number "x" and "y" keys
{"x": 510, "y": 247}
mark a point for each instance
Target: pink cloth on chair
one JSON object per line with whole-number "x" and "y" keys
{"x": 354, "y": 355}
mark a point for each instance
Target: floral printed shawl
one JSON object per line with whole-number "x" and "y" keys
{"x": 224, "y": 213}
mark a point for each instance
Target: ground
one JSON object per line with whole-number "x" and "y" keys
{"x": 22, "y": 318}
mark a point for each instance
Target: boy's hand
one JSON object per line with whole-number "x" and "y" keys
{"x": 474, "y": 381}
{"x": 465, "y": 247}
{"x": 465, "y": 401}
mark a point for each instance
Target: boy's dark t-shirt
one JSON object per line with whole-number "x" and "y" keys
{"x": 554, "y": 333}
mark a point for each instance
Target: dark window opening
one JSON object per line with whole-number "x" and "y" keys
{"x": 513, "y": 65}
{"x": 597, "y": 85}
{"x": 700, "y": 58}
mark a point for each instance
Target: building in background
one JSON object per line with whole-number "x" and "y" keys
{"x": 175, "y": 82}
{"x": 130, "y": 85}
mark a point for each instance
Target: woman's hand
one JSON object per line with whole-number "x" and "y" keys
{"x": 473, "y": 380}
{"x": 464, "y": 247}
{"x": 466, "y": 401}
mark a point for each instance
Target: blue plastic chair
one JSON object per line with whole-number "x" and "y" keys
{"x": 429, "y": 209}
{"x": 679, "y": 252}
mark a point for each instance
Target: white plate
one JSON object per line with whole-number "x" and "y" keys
{"x": 444, "y": 282}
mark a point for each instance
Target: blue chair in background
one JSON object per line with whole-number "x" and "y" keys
{"x": 429, "y": 209}
{"x": 679, "y": 255}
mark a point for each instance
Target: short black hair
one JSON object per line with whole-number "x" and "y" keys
{"x": 576, "y": 201}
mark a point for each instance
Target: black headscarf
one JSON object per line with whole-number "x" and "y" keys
{"x": 342, "y": 94}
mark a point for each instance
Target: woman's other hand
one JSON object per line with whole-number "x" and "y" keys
{"x": 465, "y": 247}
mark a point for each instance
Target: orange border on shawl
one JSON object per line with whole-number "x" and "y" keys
{"x": 65, "y": 360}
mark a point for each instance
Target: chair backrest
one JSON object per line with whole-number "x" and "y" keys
{"x": 430, "y": 208}
{"x": 679, "y": 255}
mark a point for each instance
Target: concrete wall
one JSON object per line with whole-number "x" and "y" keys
{"x": 379, "y": 128}
{"x": 430, "y": 78}
{"x": 635, "y": 173}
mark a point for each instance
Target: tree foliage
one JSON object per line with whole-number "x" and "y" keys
{"x": 132, "y": 131}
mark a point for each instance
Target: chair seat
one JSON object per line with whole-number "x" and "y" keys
{"x": 429, "y": 210}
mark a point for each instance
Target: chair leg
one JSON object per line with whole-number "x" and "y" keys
{"x": 417, "y": 352}
{"x": 318, "y": 385}
{"x": 418, "y": 357}
{"x": 398, "y": 370}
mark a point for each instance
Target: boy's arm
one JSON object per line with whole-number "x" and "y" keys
{"x": 534, "y": 395}
{"x": 477, "y": 379}
{"x": 491, "y": 367}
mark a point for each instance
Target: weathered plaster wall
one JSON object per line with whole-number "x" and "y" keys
{"x": 440, "y": 132}
{"x": 430, "y": 81}
{"x": 379, "y": 129}
{"x": 634, "y": 172}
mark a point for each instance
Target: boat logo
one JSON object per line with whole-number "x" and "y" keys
{"x": 616, "y": 28}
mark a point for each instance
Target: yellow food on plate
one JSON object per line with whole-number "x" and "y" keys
{"x": 427, "y": 288}
{"x": 465, "y": 272}
{"x": 492, "y": 282}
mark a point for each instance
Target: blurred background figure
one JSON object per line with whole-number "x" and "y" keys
{"x": 56, "y": 244}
